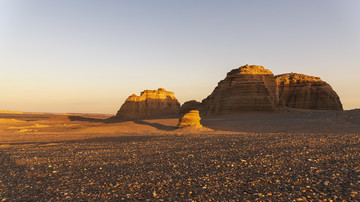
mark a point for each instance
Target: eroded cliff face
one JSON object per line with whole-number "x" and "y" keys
{"x": 247, "y": 88}
{"x": 191, "y": 119}
{"x": 189, "y": 105}
{"x": 150, "y": 104}
{"x": 306, "y": 92}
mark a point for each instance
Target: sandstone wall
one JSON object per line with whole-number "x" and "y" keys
{"x": 150, "y": 104}
{"x": 306, "y": 92}
{"x": 189, "y": 105}
{"x": 247, "y": 88}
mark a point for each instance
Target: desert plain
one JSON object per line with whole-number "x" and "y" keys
{"x": 299, "y": 155}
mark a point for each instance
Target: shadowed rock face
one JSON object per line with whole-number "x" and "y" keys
{"x": 190, "y": 120}
{"x": 189, "y": 105}
{"x": 306, "y": 92}
{"x": 247, "y": 88}
{"x": 150, "y": 104}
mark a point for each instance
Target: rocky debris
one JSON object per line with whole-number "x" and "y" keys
{"x": 199, "y": 167}
{"x": 189, "y": 105}
{"x": 150, "y": 104}
{"x": 247, "y": 88}
{"x": 306, "y": 92}
{"x": 190, "y": 120}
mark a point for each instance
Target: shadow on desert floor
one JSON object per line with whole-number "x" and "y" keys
{"x": 113, "y": 140}
{"x": 156, "y": 125}
{"x": 112, "y": 120}
{"x": 85, "y": 119}
{"x": 330, "y": 122}
{"x": 339, "y": 122}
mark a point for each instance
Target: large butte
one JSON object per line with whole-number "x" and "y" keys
{"x": 150, "y": 104}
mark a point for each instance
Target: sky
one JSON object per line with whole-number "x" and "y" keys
{"x": 88, "y": 56}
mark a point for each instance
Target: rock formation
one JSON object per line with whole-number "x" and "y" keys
{"x": 306, "y": 92}
{"x": 247, "y": 88}
{"x": 190, "y": 120}
{"x": 188, "y": 106}
{"x": 150, "y": 104}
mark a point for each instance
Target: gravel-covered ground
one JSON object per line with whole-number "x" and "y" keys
{"x": 244, "y": 166}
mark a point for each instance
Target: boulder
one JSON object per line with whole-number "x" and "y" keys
{"x": 189, "y": 105}
{"x": 150, "y": 104}
{"x": 306, "y": 92}
{"x": 190, "y": 120}
{"x": 247, "y": 88}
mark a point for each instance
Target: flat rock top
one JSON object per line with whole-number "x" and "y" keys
{"x": 296, "y": 78}
{"x": 249, "y": 69}
{"x": 160, "y": 94}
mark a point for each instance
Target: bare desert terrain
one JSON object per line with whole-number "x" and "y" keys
{"x": 290, "y": 156}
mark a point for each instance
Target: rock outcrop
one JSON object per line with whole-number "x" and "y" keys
{"x": 189, "y": 105}
{"x": 150, "y": 104}
{"x": 247, "y": 88}
{"x": 306, "y": 92}
{"x": 190, "y": 120}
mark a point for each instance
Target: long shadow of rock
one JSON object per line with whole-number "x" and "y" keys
{"x": 80, "y": 118}
{"x": 118, "y": 120}
{"x": 108, "y": 120}
{"x": 120, "y": 139}
{"x": 156, "y": 125}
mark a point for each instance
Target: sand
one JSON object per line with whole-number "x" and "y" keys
{"x": 299, "y": 155}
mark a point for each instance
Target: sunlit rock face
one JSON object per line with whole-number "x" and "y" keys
{"x": 247, "y": 88}
{"x": 150, "y": 104}
{"x": 306, "y": 92}
{"x": 190, "y": 120}
{"x": 189, "y": 105}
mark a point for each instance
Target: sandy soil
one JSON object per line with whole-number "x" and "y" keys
{"x": 300, "y": 155}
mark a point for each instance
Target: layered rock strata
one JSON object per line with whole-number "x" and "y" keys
{"x": 150, "y": 104}
{"x": 306, "y": 92}
{"x": 247, "y": 88}
{"x": 190, "y": 120}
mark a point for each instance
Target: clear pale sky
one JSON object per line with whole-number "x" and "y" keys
{"x": 89, "y": 56}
